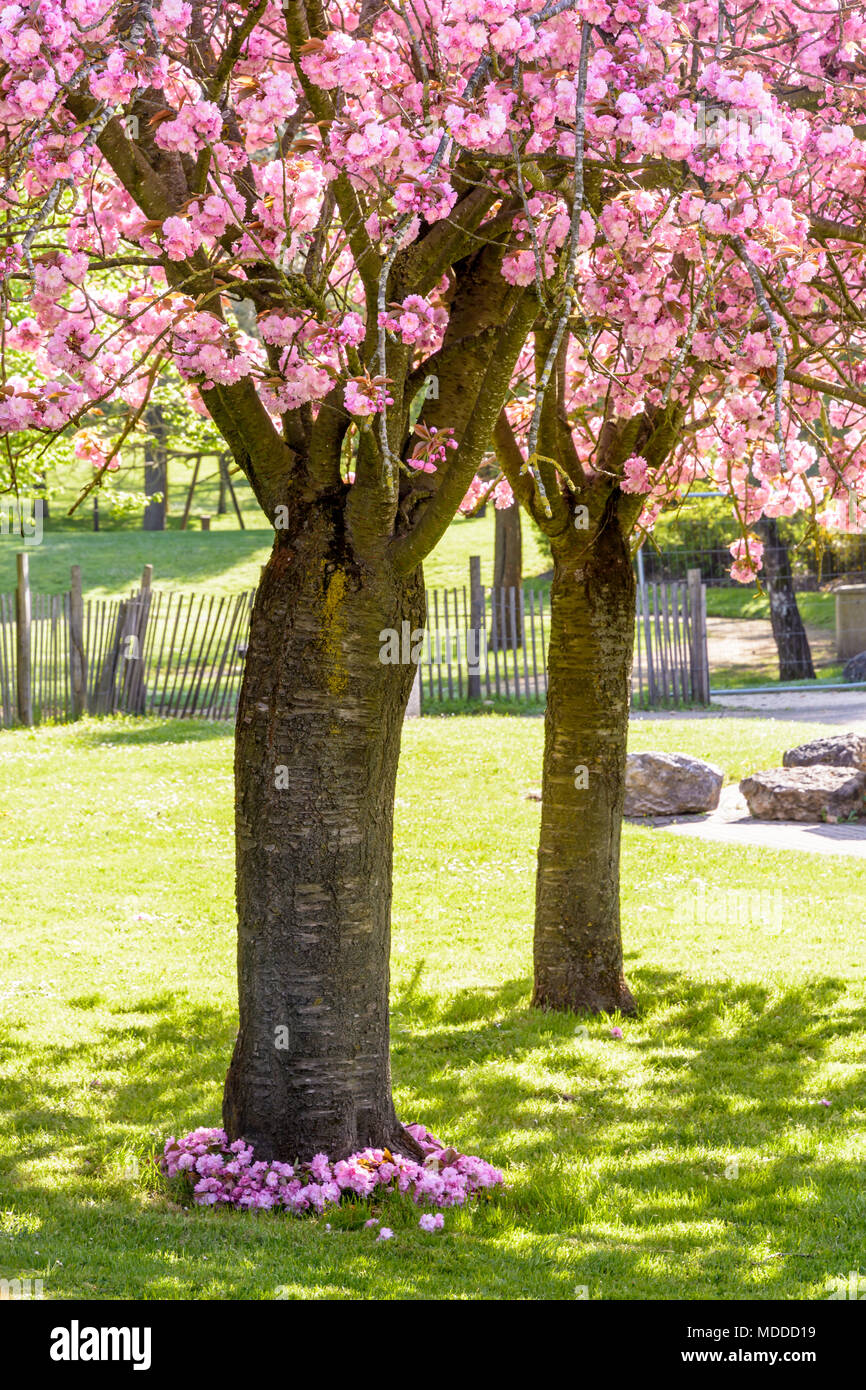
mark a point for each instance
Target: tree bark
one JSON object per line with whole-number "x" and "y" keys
{"x": 792, "y": 644}
{"x": 311, "y": 1069}
{"x": 507, "y": 573}
{"x": 578, "y": 945}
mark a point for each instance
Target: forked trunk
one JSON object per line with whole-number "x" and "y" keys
{"x": 317, "y": 743}
{"x": 578, "y": 947}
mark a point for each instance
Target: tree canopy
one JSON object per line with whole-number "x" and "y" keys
{"x": 310, "y": 210}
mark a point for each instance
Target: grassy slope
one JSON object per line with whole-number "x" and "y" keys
{"x": 117, "y": 1028}
{"x": 221, "y": 561}
{"x": 819, "y": 610}
{"x": 228, "y": 559}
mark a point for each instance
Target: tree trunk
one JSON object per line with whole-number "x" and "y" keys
{"x": 155, "y": 471}
{"x": 578, "y": 946}
{"x": 792, "y": 644}
{"x": 154, "y": 482}
{"x": 311, "y": 1070}
{"x": 507, "y": 574}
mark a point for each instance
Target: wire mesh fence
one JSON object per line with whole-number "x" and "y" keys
{"x": 841, "y": 558}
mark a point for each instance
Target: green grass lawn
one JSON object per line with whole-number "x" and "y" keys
{"x": 818, "y": 610}
{"x": 223, "y": 561}
{"x": 758, "y": 674}
{"x": 117, "y": 1011}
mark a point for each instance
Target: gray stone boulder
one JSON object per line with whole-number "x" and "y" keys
{"x": 810, "y": 793}
{"x": 838, "y": 750}
{"x": 855, "y": 669}
{"x": 670, "y": 784}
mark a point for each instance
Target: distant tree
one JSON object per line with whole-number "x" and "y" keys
{"x": 712, "y": 332}
{"x": 508, "y": 572}
{"x": 155, "y": 468}
{"x": 792, "y": 642}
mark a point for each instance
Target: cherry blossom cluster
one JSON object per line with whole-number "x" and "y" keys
{"x": 501, "y": 495}
{"x": 228, "y": 1174}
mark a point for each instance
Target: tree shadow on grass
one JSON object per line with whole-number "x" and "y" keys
{"x": 125, "y": 731}
{"x": 610, "y": 1185}
{"x": 728, "y": 1129}
{"x": 713, "y": 1047}
{"x": 156, "y": 1062}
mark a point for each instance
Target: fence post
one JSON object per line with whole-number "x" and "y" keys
{"x": 138, "y": 693}
{"x": 476, "y": 626}
{"x": 705, "y": 656}
{"x": 22, "y": 632}
{"x": 133, "y": 693}
{"x": 77, "y": 655}
{"x": 698, "y": 637}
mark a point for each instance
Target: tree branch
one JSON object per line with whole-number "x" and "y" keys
{"x": 409, "y": 549}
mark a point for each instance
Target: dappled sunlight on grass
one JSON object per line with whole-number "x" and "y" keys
{"x": 693, "y": 1157}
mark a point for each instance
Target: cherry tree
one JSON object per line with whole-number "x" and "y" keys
{"x": 714, "y": 334}
{"x": 305, "y": 211}
{"x": 341, "y": 224}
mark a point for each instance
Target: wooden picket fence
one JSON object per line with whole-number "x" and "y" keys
{"x": 49, "y": 657}
{"x": 193, "y": 659}
{"x": 485, "y": 643}
{"x": 182, "y": 655}
{"x": 491, "y": 644}
{"x": 173, "y": 654}
{"x": 670, "y": 664}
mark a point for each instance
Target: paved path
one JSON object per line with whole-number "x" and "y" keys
{"x": 732, "y": 823}
{"x": 846, "y": 707}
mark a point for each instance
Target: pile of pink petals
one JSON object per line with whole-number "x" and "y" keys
{"x": 224, "y": 1174}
